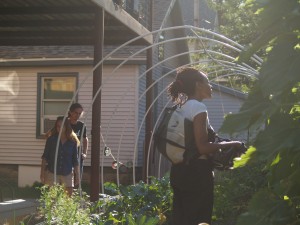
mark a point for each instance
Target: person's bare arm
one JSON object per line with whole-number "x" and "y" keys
{"x": 200, "y": 131}
{"x": 85, "y": 145}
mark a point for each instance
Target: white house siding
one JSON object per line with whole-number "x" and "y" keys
{"x": 120, "y": 112}
{"x": 19, "y": 144}
{"x": 18, "y": 118}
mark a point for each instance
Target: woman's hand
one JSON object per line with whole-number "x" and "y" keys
{"x": 237, "y": 144}
{"x": 83, "y": 156}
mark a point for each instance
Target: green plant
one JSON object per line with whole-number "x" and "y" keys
{"x": 236, "y": 19}
{"x": 234, "y": 189}
{"x": 135, "y": 204}
{"x": 273, "y": 104}
{"x": 147, "y": 204}
{"x": 58, "y": 208}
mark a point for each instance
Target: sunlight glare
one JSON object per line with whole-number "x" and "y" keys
{"x": 9, "y": 89}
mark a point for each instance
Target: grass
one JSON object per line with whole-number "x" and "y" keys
{"x": 30, "y": 192}
{"x": 10, "y": 190}
{"x": 9, "y": 185}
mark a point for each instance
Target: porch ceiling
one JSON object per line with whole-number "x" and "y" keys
{"x": 65, "y": 22}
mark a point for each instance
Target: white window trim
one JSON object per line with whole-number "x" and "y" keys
{"x": 41, "y": 100}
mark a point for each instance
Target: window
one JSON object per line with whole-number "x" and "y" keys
{"x": 55, "y": 91}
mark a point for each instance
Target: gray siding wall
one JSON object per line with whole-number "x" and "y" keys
{"x": 220, "y": 105}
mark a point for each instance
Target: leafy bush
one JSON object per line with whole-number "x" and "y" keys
{"x": 135, "y": 204}
{"x": 58, "y": 208}
{"x": 149, "y": 204}
{"x": 234, "y": 189}
{"x": 273, "y": 104}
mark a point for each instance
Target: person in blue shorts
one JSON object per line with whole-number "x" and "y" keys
{"x": 67, "y": 157}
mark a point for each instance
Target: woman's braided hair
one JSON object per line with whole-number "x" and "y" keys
{"x": 184, "y": 84}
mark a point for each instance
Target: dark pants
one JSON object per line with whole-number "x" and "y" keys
{"x": 193, "y": 192}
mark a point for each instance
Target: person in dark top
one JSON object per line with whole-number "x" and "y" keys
{"x": 192, "y": 182}
{"x": 67, "y": 158}
{"x": 79, "y": 129}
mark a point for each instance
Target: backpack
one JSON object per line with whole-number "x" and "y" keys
{"x": 174, "y": 139}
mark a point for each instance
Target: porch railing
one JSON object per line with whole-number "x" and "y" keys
{"x": 138, "y": 9}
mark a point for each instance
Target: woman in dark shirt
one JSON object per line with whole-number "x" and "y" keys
{"x": 67, "y": 158}
{"x": 79, "y": 129}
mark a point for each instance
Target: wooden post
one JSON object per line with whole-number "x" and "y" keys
{"x": 96, "y": 110}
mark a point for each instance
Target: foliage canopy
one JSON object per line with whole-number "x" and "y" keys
{"x": 273, "y": 105}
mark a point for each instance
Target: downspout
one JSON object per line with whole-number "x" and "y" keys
{"x": 149, "y": 100}
{"x": 196, "y": 13}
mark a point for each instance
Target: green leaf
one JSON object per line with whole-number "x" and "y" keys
{"x": 276, "y": 18}
{"x": 130, "y": 220}
{"x": 276, "y": 11}
{"x": 278, "y": 73}
{"x": 152, "y": 221}
{"x": 245, "y": 119}
{"x": 285, "y": 173}
{"x": 266, "y": 208}
{"x": 124, "y": 190}
{"x": 260, "y": 42}
{"x": 253, "y": 113}
{"x": 246, "y": 158}
{"x": 111, "y": 188}
{"x": 280, "y": 133}
{"x": 144, "y": 220}
{"x": 109, "y": 222}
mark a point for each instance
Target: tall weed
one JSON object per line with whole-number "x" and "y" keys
{"x": 58, "y": 208}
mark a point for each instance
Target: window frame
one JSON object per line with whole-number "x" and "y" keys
{"x": 40, "y": 78}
